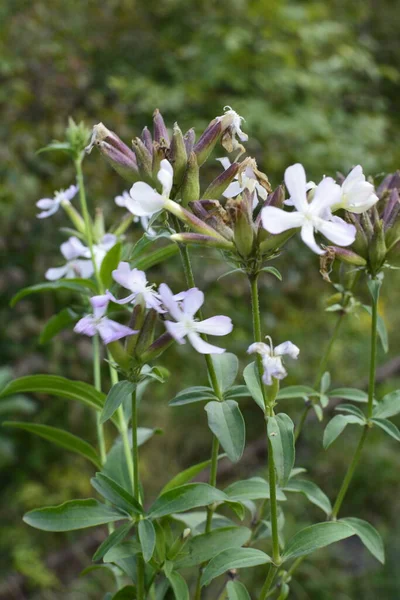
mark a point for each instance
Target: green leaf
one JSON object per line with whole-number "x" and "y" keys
{"x": 237, "y": 591}
{"x": 382, "y": 331}
{"x": 185, "y": 497}
{"x": 116, "y": 494}
{"x": 178, "y": 584}
{"x": 368, "y": 535}
{"x": 295, "y": 391}
{"x": 254, "y": 385}
{"x": 349, "y": 394}
{"x": 57, "y": 323}
{"x": 353, "y": 410}
{"x": 123, "y": 550}
{"x": 280, "y": 434}
{"x": 325, "y": 382}
{"x": 74, "y": 514}
{"x": 388, "y": 427}
{"x": 314, "y": 494}
{"x": 114, "y": 538}
{"x": 156, "y": 257}
{"x": 374, "y": 286}
{"x": 233, "y": 558}
{"x": 109, "y": 263}
{"x": 337, "y": 425}
{"x": 147, "y": 537}
{"x": 188, "y": 474}
{"x": 193, "y": 394}
{"x": 273, "y": 271}
{"x": 254, "y": 488}
{"x": 118, "y": 393}
{"x": 80, "y": 286}
{"x": 314, "y": 537}
{"x": 236, "y": 391}
{"x": 205, "y": 546}
{"x": 56, "y": 386}
{"x": 197, "y": 520}
{"x": 227, "y": 424}
{"x": 226, "y": 367}
{"x": 389, "y": 406}
{"x": 126, "y": 593}
{"x": 60, "y": 438}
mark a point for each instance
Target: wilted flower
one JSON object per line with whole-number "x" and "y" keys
{"x": 231, "y": 127}
{"x": 108, "y": 330}
{"x": 75, "y": 266}
{"x": 272, "y": 358}
{"x": 357, "y": 194}
{"x": 135, "y": 281}
{"x": 185, "y": 323}
{"x": 246, "y": 179}
{"x": 145, "y": 200}
{"x": 49, "y": 206}
{"x": 310, "y": 217}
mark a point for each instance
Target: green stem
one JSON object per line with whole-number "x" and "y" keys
{"x": 140, "y": 590}
{"x": 268, "y": 582}
{"x": 273, "y": 505}
{"x": 97, "y": 385}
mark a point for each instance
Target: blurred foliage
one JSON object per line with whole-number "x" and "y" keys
{"x": 317, "y": 82}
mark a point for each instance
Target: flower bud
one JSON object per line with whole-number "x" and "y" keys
{"x": 189, "y": 139}
{"x": 220, "y": 183}
{"x": 274, "y": 242}
{"x": 178, "y": 156}
{"x": 98, "y": 227}
{"x": 360, "y": 244}
{"x": 75, "y": 217}
{"x": 392, "y": 209}
{"x": 347, "y": 256}
{"x": 207, "y": 141}
{"x": 190, "y": 190}
{"x": 135, "y": 322}
{"x": 190, "y": 219}
{"x": 367, "y": 225}
{"x": 212, "y": 213}
{"x": 377, "y": 248}
{"x": 242, "y": 227}
{"x": 157, "y": 347}
{"x": 202, "y": 240}
{"x": 144, "y": 160}
{"x": 147, "y": 139}
{"x": 120, "y": 355}
{"x": 120, "y": 157}
{"x": 160, "y": 131}
{"x": 159, "y": 153}
{"x": 146, "y": 334}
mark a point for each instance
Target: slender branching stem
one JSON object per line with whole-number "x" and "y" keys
{"x": 140, "y": 589}
{"x": 97, "y": 385}
{"x": 268, "y": 582}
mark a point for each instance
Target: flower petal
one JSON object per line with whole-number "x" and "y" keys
{"x": 194, "y": 298}
{"x": 295, "y": 180}
{"x": 275, "y": 220}
{"x": 287, "y": 348}
{"x": 168, "y": 300}
{"x": 202, "y": 346}
{"x": 225, "y": 162}
{"x": 166, "y": 176}
{"x": 99, "y": 305}
{"x": 146, "y": 200}
{"x": 327, "y": 193}
{"x": 307, "y": 235}
{"x": 233, "y": 189}
{"x": 73, "y": 248}
{"x": 87, "y": 326}
{"x": 177, "y": 330}
{"x": 259, "y": 348}
{"x": 339, "y": 232}
{"x": 111, "y": 331}
{"x": 125, "y": 300}
{"x": 56, "y": 273}
{"x": 218, "y": 325}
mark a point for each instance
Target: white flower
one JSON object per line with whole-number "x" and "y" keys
{"x": 246, "y": 180}
{"x": 357, "y": 194}
{"x": 108, "y": 330}
{"x": 310, "y": 217}
{"x": 272, "y": 358}
{"x": 49, "y": 206}
{"x": 185, "y": 324}
{"x": 135, "y": 281}
{"x": 234, "y": 121}
{"x": 100, "y": 250}
{"x": 75, "y": 266}
{"x": 144, "y": 201}
{"x": 144, "y": 221}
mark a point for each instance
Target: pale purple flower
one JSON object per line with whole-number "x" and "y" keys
{"x": 144, "y": 221}
{"x": 357, "y": 194}
{"x": 272, "y": 358}
{"x": 75, "y": 266}
{"x": 135, "y": 281}
{"x": 246, "y": 180}
{"x": 104, "y": 245}
{"x": 310, "y": 217}
{"x": 144, "y": 200}
{"x": 49, "y": 206}
{"x": 108, "y": 330}
{"x": 186, "y": 325}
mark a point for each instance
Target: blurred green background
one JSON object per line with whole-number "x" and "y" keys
{"x": 317, "y": 82}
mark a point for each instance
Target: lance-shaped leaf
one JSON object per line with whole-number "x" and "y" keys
{"x": 236, "y": 391}
{"x": 109, "y": 263}
{"x": 388, "y": 427}
{"x": 56, "y": 386}
{"x": 188, "y": 474}
{"x": 227, "y": 424}
{"x": 314, "y": 494}
{"x": 349, "y": 394}
{"x": 382, "y": 331}
{"x": 178, "y": 585}
{"x": 74, "y": 514}
{"x": 203, "y": 547}
{"x": 254, "y": 385}
{"x": 237, "y": 591}
{"x": 233, "y": 558}
{"x": 80, "y": 286}
{"x": 389, "y": 406}
{"x": 316, "y": 536}
{"x": 60, "y": 438}
{"x": 194, "y": 394}
{"x": 116, "y": 494}
{"x": 119, "y": 392}
{"x": 255, "y": 488}
{"x": 226, "y": 368}
{"x": 368, "y": 535}
{"x": 337, "y": 425}
{"x": 185, "y": 497}
{"x": 296, "y": 391}
{"x": 116, "y": 537}
{"x": 123, "y": 550}
{"x": 352, "y": 410}
{"x": 156, "y": 257}
{"x": 65, "y": 318}
{"x": 147, "y": 538}
{"x": 280, "y": 434}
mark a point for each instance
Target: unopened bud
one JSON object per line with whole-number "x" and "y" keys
{"x": 75, "y": 217}
{"x": 146, "y": 335}
{"x": 178, "y": 156}
{"x": 157, "y": 347}
{"x": 212, "y": 213}
{"x": 367, "y": 225}
{"x": 360, "y": 244}
{"x": 274, "y": 242}
{"x": 135, "y": 322}
{"x": 190, "y": 219}
{"x": 392, "y": 209}
{"x": 377, "y": 248}
{"x": 147, "y": 139}
{"x": 202, "y": 240}
{"x": 98, "y": 228}
{"x": 207, "y": 141}
{"x": 190, "y": 190}
{"x": 189, "y": 139}
{"x": 120, "y": 157}
{"x": 347, "y": 256}
{"x": 220, "y": 183}
{"x": 144, "y": 159}
{"x": 243, "y": 230}
{"x": 119, "y": 354}
{"x": 160, "y": 131}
